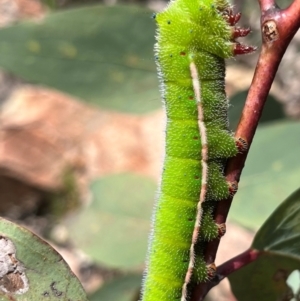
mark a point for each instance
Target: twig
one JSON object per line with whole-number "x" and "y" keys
{"x": 237, "y": 262}
{"x": 265, "y": 5}
{"x": 278, "y": 28}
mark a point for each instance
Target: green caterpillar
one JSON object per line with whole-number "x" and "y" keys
{"x": 193, "y": 39}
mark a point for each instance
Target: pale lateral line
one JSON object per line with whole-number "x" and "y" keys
{"x": 204, "y": 153}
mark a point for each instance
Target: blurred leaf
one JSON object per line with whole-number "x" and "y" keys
{"x": 124, "y": 288}
{"x": 64, "y": 200}
{"x": 50, "y": 3}
{"x": 264, "y": 279}
{"x": 49, "y": 277}
{"x": 279, "y": 237}
{"x": 273, "y": 110}
{"x": 272, "y": 171}
{"x": 113, "y": 230}
{"x": 281, "y": 231}
{"x": 104, "y": 55}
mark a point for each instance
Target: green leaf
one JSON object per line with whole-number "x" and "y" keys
{"x": 46, "y": 275}
{"x": 50, "y": 3}
{"x": 271, "y": 173}
{"x": 264, "y": 280}
{"x": 124, "y": 288}
{"x": 273, "y": 110}
{"x": 279, "y": 238}
{"x": 103, "y": 55}
{"x": 113, "y": 230}
{"x": 281, "y": 231}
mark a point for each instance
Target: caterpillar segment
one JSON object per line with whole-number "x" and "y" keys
{"x": 194, "y": 37}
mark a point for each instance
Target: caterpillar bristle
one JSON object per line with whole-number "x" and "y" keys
{"x": 240, "y": 32}
{"x": 231, "y": 18}
{"x": 243, "y": 49}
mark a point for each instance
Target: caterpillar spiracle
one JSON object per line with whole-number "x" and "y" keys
{"x": 193, "y": 39}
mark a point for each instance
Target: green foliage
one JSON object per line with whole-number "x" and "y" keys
{"x": 48, "y": 274}
{"x": 271, "y": 173}
{"x": 52, "y": 4}
{"x": 273, "y": 110}
{"x": 103, "y": 55}
{"x": 279, "y": 238}
{"x": 124, "y": 288}
{"x": 113, "y": 229}
{"x": 66, "y": 199}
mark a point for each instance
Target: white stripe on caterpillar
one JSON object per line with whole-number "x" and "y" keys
{"x": 204, "y": 152}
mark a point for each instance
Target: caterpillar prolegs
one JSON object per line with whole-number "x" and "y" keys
{"x": 193, "y": 39}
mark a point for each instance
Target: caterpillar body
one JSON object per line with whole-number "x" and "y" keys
{"x": 193, "y": 39}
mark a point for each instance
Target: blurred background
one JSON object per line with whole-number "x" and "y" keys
{"x": 82, "y": 127}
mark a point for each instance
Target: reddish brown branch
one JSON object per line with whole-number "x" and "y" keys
{"x": 265, "y": 5}
{"x": 237, "y": 262}
{"x": 278, "y": 28}
{"x": 227, "y": 268}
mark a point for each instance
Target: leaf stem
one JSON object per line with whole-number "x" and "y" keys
{"x": 278, "y": 28}
{"x": 237, "y": 262}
